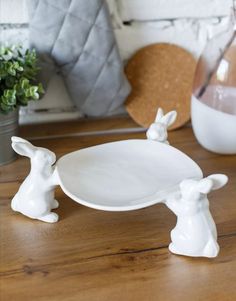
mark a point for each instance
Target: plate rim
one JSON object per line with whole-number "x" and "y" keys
{"x": 127, "y": 207}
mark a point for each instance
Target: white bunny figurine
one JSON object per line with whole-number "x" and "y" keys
{"x": 35, "y": 198}
{"x": 158, "y": 130}
{"x": 195, "y": 232}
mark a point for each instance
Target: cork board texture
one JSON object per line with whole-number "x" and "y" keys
{"x": 161, "y": 75}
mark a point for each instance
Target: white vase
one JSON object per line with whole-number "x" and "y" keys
{"x": 213, "y": 108}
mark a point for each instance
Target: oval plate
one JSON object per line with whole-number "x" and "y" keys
{"x": 124, "y": 175}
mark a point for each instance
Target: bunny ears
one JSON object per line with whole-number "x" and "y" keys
{"x": 205, "y": 185}
{"x": 167, "y": 119}
{"x": 22, "y": 146}
{"x": 213, "y": 182}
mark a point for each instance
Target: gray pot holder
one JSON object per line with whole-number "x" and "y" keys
{"x": 76, "y": 37}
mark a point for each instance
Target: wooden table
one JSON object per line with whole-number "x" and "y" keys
{"x": 95, "y": 255}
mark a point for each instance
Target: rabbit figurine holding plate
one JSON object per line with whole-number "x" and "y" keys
{"x": 35, "y": 197}
{"x": 126, "y": 175}
{"x": 158, "y": 130}
{"x": 195, "y": 232}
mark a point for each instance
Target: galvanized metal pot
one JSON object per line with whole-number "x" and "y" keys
{"x": 8, "y": 128}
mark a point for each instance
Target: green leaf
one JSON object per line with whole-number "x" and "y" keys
{"x": 9, "y": 97}
{"x": 10, "y": 81}
{"x": 18, "y": 71}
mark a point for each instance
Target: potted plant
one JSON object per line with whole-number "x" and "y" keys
{"x": 18, "y": 85}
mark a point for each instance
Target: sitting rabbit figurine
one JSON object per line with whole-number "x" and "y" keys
{"x": 158, "y": 130}
{"x": 35, "y": 197}
{"x": 195, "y": 232}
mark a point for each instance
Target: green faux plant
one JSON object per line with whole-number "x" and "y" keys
{"x": 18, "y": 85}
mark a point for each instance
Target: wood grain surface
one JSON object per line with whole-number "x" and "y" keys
{"x": 92, "y": 255}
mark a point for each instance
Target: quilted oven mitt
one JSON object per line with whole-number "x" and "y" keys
{"x": 76, "y": 36}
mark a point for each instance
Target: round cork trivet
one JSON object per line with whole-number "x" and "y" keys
{"x": 161, "y": 75}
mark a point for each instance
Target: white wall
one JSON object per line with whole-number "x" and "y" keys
{"x": 187, "y": 23}
{"x": 144, "y": 10}
{"x": 183, "y": 22}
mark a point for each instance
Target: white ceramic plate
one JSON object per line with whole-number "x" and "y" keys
{"x": 124, "y": 175}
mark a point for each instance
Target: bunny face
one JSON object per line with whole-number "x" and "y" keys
{"x": 43, "y": 158}
{"x": 189, "y": 190}
{"x": 157, "y": 132}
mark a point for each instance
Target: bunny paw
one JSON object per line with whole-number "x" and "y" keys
{"x": 55, "y": 204}
{"x": 49, "y": 218}
{"x": 173, "y": 249}
{"x": 13, "y": 205}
